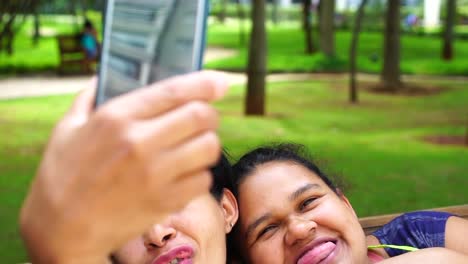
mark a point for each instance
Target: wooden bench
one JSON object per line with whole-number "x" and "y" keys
{"x": 72, "y": 56}
{"x": 372, "y": 223}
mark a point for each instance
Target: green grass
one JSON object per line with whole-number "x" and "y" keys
{"x": 375, "y": 146}
{"x": 29, "y": 58}
{"x": 419, "y": 54}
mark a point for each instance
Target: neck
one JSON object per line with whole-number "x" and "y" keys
{"x": 373, "y": 257}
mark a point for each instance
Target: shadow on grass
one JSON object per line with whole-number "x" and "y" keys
{"x": 16, "y": 70}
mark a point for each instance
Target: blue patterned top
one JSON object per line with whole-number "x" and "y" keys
{"x": 423, "y": 229}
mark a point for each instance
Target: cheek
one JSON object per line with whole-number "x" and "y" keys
{"x": 205, "y": 226}
{"x": 132, "y": 252}
{"x": 335, "y": 215}
{"x": 270, "y": 251}
{"x": 340, "y": 219}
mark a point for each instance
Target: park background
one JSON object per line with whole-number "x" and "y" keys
{"x": 397, "y": 136}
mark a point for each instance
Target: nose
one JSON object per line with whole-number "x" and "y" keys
{"x": 158, "y": 236}
{"x": 298, "y": 229}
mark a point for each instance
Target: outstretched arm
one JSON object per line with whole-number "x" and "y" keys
{"x": 107, "y": 175}
{"x": 456, "y": 234}
{"x": 429, "y": 256}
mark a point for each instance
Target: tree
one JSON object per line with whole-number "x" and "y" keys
{"x": 222, "y": 11}
{"x": 37, "y": 32}
{"x": 275, "y": 12}
{"x": 11, "y": 11}
{"x": 326, "y": 25}
{"x": 307, "y": 26}
{"x": 447, "y": 50}
{"x": 353, "y": 95}
{"x": 241, "y": 17}
{"x": 256, "y": 68}
{"x": 466, "y": 133}
{"x": 391, "y": 68}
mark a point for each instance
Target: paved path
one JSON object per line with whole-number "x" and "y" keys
{"x": 40, "y": 86}
{"x": 52, "y": 85}
{"x": 18, "y": 87}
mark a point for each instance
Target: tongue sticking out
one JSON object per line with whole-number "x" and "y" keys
{"x": 317, "y": 254}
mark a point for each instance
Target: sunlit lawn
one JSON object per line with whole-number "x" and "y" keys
{"x": 375, "y": 146}
{"x": 29, "y": 58}
{"x": 419, "y": 54}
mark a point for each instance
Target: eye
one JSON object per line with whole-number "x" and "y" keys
{"x": 266, "y": 230}
{"x": 306, "y": 203}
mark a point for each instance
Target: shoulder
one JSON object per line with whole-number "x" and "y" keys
{"x": 418, "y": 219}
{"x": 431, "y": 255}
{"x": 421, "y": 229}
{"x": 425, "y": 216}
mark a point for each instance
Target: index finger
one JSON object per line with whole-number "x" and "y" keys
{"x": 165, "y": 95}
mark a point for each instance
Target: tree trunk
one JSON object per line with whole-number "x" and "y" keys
{"x": 5, "y": 34}
{"x": 37, "y": 32}
{"x": 466, "y": 133}
{"x": 274, "y": 12}
{"x": 9, "y": 41}
{"x": 391, "y": 68}
{"x": 447, "y": 50}
{"x": 84, "y": 6}
{"x": 307, "y": 26}
{"x": 222, "y": 12}
{"x": 327, "y": 34}
{"x": 241, "y": 17}
{"x": 256, "y": 69}
{"x": 353, "y": 93}
{"x": 72, "y": 7}
{"x": 9, "y": 26}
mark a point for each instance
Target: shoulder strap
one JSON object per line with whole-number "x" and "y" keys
{"x": 405, "y": 248}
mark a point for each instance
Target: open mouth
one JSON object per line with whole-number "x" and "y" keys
{"x": 179, "y": 255}
{"x": 181, "y": 261}
{"x": 320, "y": 252}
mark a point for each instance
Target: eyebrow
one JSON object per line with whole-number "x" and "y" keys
{"x": 302, "y": 190}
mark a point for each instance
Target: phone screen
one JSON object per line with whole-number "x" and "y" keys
{"x": 149, "y": 40}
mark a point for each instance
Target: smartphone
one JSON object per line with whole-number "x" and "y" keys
{"x": 149, "y": 40}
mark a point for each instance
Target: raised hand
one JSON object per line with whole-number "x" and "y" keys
{"x": 109, "y": 174}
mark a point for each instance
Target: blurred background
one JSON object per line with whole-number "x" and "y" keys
{"x": 376, "y": 90}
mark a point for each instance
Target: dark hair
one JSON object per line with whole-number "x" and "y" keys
{"x": 280, "y": 152}
{"x": 247, "y": 164}
{"x": 88, "y": 24}
{"x": 222, "y": 176}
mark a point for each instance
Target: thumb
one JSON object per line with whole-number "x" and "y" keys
{"x": 84, "y": 102}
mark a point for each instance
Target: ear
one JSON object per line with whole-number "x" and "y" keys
{"x": 345, "y": 200}
{"x": 230, "y": 210}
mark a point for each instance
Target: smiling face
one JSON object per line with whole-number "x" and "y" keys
{"x": 194, "y": 235}
{"x": 289, "y": 215}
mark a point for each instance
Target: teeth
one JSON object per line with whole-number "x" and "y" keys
{"x": 174, "y": 261}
